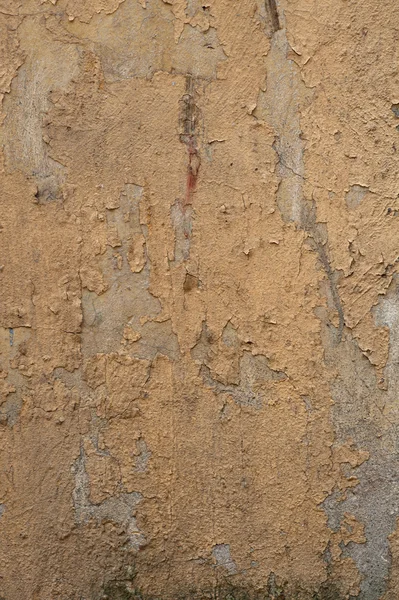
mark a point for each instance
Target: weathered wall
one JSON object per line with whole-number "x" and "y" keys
{"x": 199, "y": 342}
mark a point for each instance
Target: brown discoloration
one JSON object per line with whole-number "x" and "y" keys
{"x": 193, "y": 167}
{"x": 271, "y": 7}
{"x": 190, "y": 123}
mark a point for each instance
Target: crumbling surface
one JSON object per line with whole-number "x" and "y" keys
{"x": 199, "y": 284}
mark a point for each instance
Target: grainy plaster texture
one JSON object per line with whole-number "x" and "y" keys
{"x": 199, "y": 318}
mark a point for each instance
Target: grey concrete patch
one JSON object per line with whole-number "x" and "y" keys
{"x": 25, "y": 145}
{"x": 119, "y": 509}
{"x": 120, "y": 37}
{"x": 279, "y": 106}
{"x": 355, "y": 195}
{"x": 221, "y": 553}
{"x": 369, "y": 417}
{"x": 127, "y": 298}
{"x": 254, "y": 372}
{"x": 142, "y": 459}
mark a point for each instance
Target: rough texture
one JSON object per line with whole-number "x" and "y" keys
{"x": 199, "y": 315}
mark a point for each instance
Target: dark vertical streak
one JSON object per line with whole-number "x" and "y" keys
{"x": 189, "y": 125}
{"x": 271, "y": 7}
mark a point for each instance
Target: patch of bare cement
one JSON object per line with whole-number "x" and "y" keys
{"x": 119, "y": 509}
{"x": 368, "y": 416}
{"x": 355, "y": 195}
{"x": 278, "y": 104}
{"x": 222, "y": 555}
{"x": 136, "y": 42}
{"x": 25, "y": 143}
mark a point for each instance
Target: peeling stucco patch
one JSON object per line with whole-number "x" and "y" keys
{"x": 119, "y": 509}
{"x": 142, "y": 457}
{"x": 278, "y": 103}
{"x": 254, "y": 373}
{"x": 121, "y": 301}
{"x": 26, "y": 145}
{"x": 198, "y": 298}
{"x": 221, "y": 553}
{"x": 142, "y": 46}
{"x": 84, "y": 11}
{"x": 365, "y": 414}
{"x": 355, "y": 195}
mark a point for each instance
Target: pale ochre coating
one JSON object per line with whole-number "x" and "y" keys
{"x": 199, "y": 251}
